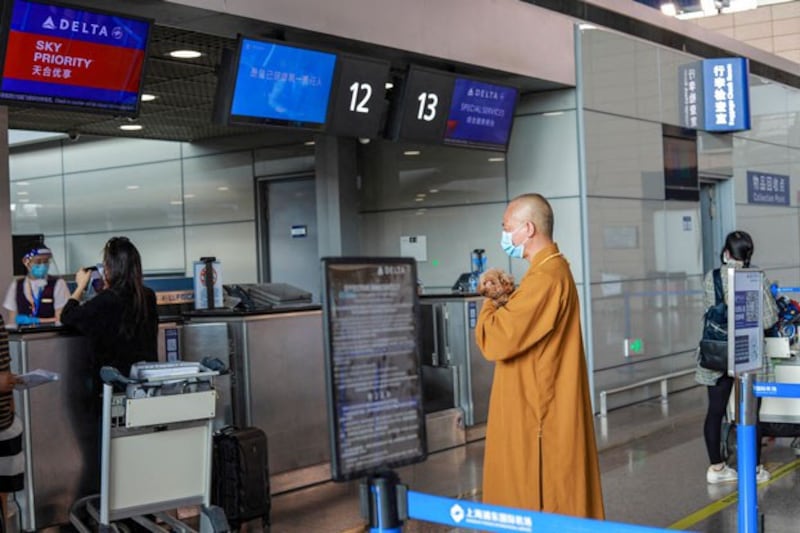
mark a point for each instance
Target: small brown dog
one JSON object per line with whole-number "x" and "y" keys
{"x": 497, "y": 285}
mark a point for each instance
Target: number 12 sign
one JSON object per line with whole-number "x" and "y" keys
{"x": 360, "y": 100}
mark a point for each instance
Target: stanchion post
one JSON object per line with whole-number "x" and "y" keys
{"x": 746, "y": 445}
{"x": 384, "y": 502}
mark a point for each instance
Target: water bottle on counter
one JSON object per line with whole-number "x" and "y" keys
{"x": 478, "y": 266}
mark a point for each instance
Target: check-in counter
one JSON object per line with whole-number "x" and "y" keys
{"x": 454, "y": 372}
{"x": 276, "y": 382}
{"x": 61, "y": 428}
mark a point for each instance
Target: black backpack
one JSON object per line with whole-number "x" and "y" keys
{"x": 713, "y": 353}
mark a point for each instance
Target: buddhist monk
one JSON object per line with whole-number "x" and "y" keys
{"x": 541, "y": 453}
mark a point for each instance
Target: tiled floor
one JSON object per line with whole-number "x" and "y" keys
{"x": 653, "y": 462}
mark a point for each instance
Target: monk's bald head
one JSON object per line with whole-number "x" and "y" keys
{"x": 533, "y": 208}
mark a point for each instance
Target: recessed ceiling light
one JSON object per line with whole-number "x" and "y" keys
{"x": 421, "y": 195}
{"x": 223, "y": 188}
{"x": 189, "y": 195}
{"x": 175, "y": 202}
{"x": 131, "y": 127}
{"x": 21, "y": 183}
{"x": 388, "y": 85}
{"x": 412, "y": 152}
{"x": 309, "y": 143}
{"x": 419, "y": 199}
{"x": 148, "y": 97}
{"x": 185, "y": 54}
{"x": 496, "y": 159}
{"x": 433, "y": 191}
{"x": 22, "y": 193}
{"x": 132, "y": 187}
{"x": 24, "y": 200}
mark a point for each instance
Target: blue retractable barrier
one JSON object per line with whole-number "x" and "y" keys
{"x": 386, "y": 504}
{"x": 746, "y": 442}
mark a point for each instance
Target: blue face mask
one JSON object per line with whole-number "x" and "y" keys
{"x": 507, "y": 243}
{"x": 39, "y": 271}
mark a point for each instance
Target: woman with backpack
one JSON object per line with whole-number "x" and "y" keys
{"x": 736, "y": 253}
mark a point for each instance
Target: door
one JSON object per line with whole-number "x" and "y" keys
{"x": 288, "y": 233}
{"x": 711, "y": 223}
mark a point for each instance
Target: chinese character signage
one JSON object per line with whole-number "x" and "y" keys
{"x": 727, "y": 94}
{"x": 480, "y": 114}
{"x": 715, "y": 95}
{"x": 691, "y": 94}
{"x": 62, "y": 56}
{"x": 770, "y": 189}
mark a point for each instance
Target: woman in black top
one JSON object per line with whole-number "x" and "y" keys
{"x": 121, "y": 322}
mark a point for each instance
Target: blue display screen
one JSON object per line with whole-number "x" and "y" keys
{"x": 281, "y": 83}
{"x": 480, "y": 114}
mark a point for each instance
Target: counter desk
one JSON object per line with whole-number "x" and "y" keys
{"x": 60, "y": 426}
{"x": 276, "y": 382}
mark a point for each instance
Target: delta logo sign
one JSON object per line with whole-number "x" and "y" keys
{"x": 73, "y": 57}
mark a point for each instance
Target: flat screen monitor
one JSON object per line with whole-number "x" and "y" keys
{"x": 372, "y": 364}
{"x": 480, "y": 115}
{"x": 280, "y": 85}
{"x": 421, "y": 115}
{"x": 73, "y": 58}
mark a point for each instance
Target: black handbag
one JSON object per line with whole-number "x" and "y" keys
{"x": 713, "y": 353}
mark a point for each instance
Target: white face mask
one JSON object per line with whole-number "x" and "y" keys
{"x": 507, "y": 243}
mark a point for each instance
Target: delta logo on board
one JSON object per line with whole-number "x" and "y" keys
{"x": 84, "y": 28}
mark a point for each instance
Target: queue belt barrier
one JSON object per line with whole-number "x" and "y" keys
{"x": 746, "y": 443}
{"x": 390, "y": 503}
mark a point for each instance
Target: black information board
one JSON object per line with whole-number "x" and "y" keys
{"x": 425, "y": 105}
{"x": 359, "y": 100}
{"x": 373, "y": 377}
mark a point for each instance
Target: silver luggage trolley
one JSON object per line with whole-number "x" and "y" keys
{"x": 156, "y": 448}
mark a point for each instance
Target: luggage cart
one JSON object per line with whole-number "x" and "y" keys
{"x": 156, "y": 447}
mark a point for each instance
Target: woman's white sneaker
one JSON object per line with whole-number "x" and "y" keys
{"x": 762, "y": 474}
{"x": 723, "y": 475}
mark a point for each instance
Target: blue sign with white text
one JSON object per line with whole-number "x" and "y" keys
{"x": 276, "y": 81}
{"x": 480, "y": 114}
{"x": 726, "y": 94}
{"x": 769, "y": 189}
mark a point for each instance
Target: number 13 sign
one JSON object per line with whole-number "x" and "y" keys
{"x": 425, "y": 106}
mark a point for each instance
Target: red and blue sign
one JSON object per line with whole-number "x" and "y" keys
{"x": 64, "y": 56}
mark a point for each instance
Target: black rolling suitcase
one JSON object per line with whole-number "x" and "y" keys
{"x": 240, "y": 480}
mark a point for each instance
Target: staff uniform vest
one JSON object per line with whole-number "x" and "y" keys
{"x": 46, "y": 303}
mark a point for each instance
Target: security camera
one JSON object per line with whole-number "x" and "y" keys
{"x": 73, "y": 135}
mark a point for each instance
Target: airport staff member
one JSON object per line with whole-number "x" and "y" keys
{"x": 37, "y": 298}
{"x": 540, "y": 446}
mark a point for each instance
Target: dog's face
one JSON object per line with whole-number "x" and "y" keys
{"x": 495, "y": 283}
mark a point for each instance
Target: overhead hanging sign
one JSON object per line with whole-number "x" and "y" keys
{"x": 77, "y": 58}
{"x": 714, "y": 95}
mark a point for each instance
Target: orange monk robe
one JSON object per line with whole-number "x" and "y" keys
{"x": 540, "y": 445}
